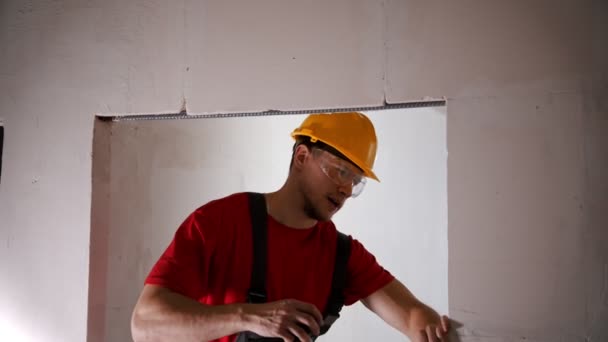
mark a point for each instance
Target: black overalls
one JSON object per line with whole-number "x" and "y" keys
{"x": 257, "y": 289}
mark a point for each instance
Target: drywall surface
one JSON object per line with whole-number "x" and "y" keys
{"x": 158, "y": 172}
{"x": 527, "y": 244}
{"x": 64, "y": 61}
{"x": 527, "y": 86}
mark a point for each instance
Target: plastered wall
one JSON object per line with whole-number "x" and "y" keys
{"x": 526, "y": 85}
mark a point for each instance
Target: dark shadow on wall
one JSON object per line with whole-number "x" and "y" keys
{"x": 1, "y": 148}
{"x": 99, "y": 238}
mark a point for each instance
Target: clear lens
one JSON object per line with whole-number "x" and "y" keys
{"x": 339, "y": 171}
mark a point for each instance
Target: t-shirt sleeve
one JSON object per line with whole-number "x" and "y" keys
{"x": 182, "y": 267}
{"x": 365, "y": 275}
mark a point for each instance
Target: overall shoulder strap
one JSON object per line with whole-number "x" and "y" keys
{"x": 338, "y": 283}
{"x": 259, "y": 218}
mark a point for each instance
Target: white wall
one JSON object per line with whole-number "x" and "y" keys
{"x": 528, "y": 158}
{"x": 63, "y": 61}
{"x": 151, "y": 174}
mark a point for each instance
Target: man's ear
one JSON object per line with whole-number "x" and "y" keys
{"x": 300, "y": 155}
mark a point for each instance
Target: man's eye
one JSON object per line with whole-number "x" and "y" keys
{"x": 344, "y": 173}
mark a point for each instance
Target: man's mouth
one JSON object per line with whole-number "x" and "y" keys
{"x": 337, "y": 204}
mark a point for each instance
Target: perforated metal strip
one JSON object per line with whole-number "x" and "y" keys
{"x": 184, "y": 115}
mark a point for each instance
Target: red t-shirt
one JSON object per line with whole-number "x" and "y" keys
{"x": 210, "y": 259}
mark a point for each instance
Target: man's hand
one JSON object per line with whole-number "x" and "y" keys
{"x": 288, "y": 319}
{"x": 397, "y": 306}
{"x": 435, "y": 332}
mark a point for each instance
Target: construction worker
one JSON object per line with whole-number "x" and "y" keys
{"x": 228, "y": 276}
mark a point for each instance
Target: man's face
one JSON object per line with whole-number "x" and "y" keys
{"x": 327, "y": 181}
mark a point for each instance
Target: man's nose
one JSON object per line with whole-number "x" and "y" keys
{"x": 346, "y": 190}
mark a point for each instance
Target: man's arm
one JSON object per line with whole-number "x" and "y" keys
{"x": 163, "y": 315}
{"x": 398, "y": 307}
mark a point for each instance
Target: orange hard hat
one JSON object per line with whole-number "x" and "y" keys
{"x": 351, "y": 134}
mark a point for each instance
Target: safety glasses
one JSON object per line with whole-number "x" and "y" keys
{"x": 340, "y": 171}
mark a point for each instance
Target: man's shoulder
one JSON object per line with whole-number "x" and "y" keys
{"x": 225, "y": 212}
{"x": 228, "y": 202}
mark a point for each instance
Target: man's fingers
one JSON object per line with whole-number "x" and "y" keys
{"x": 438, "y": 332}
{"x": 309, "y": 322}
{"x": 285, "y": 335}
{"x": 441, "y": 335}
{"x": 308, "y": 308}
{"x": 305, "y": 317}
{"x": 299, "y": 333}
{"x": 422, "y": 336}
{"x": 445, "y": 323}
{"x": 431, "y": 334}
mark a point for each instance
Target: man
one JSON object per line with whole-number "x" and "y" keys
{"x": 198, "y": 289}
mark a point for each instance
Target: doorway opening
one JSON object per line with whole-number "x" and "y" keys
{"x": 150, "y": 172}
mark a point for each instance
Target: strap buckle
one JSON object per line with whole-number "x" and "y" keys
{"x": 256, "y": 297}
